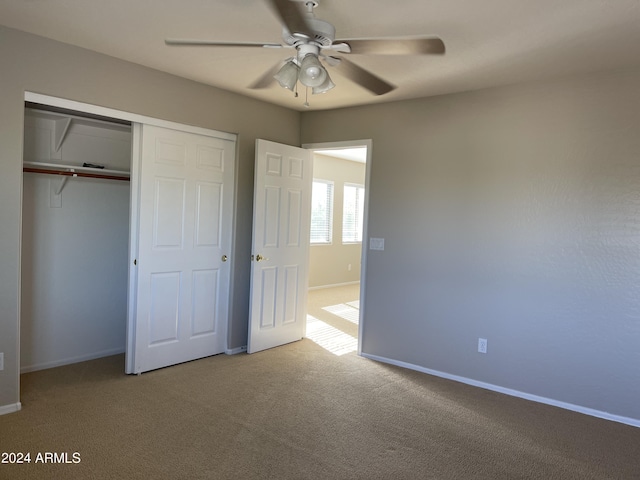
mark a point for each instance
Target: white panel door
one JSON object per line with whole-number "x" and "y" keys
{"x": 279, "y": 267}
{"x": 185, "y": 220}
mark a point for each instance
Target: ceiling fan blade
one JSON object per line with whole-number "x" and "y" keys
{"x": 395, "y": 46}
{"x": 291, "y": 17}
{"x": 364, "y": 78}
{"x": 338, "y": 47}
{"x": 331, "y": 61}
{"x": 267, "y": 78}
{"x": 209, "y": 43}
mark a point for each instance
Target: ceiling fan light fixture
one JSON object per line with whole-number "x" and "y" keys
{"x": 287, "y": 76}
{"x": 325, "y": 87}
{"x": 310, "y": 37}
{"x": 312, "y": 73}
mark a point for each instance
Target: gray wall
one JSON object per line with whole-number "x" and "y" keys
{"x": 35, "y": 64}
{"x": 511, "y": 214}
{"x": 328, "y": 264}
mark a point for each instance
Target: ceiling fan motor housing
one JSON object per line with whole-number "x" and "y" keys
{"x": 324, "y": 33}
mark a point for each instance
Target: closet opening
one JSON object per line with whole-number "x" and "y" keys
{"x": 75, "y": 236}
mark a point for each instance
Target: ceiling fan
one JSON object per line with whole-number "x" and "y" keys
{"x": 314, "y": 40}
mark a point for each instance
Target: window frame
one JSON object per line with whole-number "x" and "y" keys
{"x": 359, "y": 206}
{"x": 330, "y": 213}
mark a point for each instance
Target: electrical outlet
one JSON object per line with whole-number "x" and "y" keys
{"x": 482, "y": 345}
{"x": 1, "y": 361}
{"x": 349, "y": 267}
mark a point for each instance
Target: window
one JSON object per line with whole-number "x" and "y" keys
{"x": 353, "y": 213}
{"x": 321, "y": 211}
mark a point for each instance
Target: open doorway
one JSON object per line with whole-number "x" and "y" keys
{"x": 338, "y": 224}
{"x": 75, "y": 236}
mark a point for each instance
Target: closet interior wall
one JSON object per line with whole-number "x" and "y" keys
{"x": 75, "y": 239}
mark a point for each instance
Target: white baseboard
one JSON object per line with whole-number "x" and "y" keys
{"x": 634, "y": 422}
{"x": 334, "y": 285}
{"x": 70, "y": 360}
{"x": 14, "y": 407}
{"x": 233, "y": 351}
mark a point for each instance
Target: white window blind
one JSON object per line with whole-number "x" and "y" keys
{"x": 321, "y": 211}
{"x": 352, "y": 213}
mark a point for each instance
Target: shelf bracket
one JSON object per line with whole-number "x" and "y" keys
{"x": 60, "y": 131}
{"x": 63, "y": 182}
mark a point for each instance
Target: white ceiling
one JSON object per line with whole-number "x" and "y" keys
{"x": 355, "y": 154}
{"x": 489, "y": 43}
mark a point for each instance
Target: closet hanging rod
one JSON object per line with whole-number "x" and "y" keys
{"x": 74, "y": 174}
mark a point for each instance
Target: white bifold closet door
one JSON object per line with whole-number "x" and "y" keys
{"x": 184, "y": 232}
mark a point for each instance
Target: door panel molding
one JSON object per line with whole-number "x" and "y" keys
{"x": 280, "y": 247}
{"x": 184, "y": 231}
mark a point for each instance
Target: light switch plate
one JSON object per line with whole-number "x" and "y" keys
{"x": 1, "y": 361}
{"x": 376, "y": 243}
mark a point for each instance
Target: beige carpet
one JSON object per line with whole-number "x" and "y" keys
{"x": 299, "y": 412}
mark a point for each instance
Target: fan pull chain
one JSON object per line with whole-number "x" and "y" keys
{"x": 306, "y": 97}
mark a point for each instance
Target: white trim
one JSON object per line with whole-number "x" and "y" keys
{"x": 70, "y": 360}
{"x": 339, "y": 145}
{"x": 232, "y": 257}
{"x": 508, "y": 391}
{"x": 134, "y": 230}
{"x": 365, "y": 227}
{"x": 119, "y": 114}
{"x": 365, "y": 235}
{"x": 345, "y": 284}
{"x": 234, "y": 351}
{"x": 11, "y": 408}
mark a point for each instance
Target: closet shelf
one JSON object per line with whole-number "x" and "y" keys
{"x": 66, "y": 169}
{"x": 72, "y": 171}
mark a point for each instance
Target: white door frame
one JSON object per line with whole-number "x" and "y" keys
{"x": 135, "y": 178}
{"x": 365, "y": 227}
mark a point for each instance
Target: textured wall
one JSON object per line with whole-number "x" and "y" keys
{"x": 34, "y": 64}
{"x": 511, "y": 214}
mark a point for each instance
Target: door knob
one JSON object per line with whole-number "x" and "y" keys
{"x": 224, "y": 258}
{"x": 259, "y": 258}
